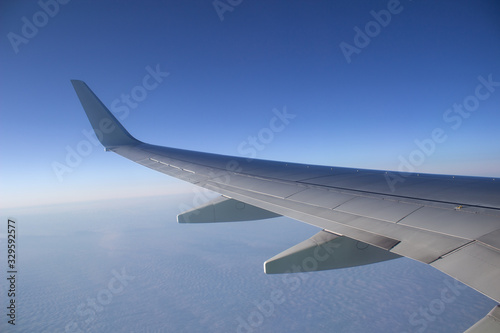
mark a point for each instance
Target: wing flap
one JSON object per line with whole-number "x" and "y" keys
{"x": 418, "y": 244}
{"x": 325, "y": 251}
{"x": 223, "y": 209}
{"x": 452, "y": 221}
{"x": 475, "y": 264}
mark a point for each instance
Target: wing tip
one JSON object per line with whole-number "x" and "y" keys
{"x": 108, "y": 129}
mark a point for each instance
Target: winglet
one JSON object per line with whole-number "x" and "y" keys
{"x": 107, "y": 128}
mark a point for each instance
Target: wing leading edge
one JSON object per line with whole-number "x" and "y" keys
{"x": 451, "y": 223}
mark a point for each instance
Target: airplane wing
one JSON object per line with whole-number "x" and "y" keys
{"x": 449, "y": 222}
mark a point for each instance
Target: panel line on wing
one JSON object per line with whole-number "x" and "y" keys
{"x": 455, "y": 204}
{"x": 444, "y": 255}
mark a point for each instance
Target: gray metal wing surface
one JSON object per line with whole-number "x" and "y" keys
{"x": 449, "y": 222}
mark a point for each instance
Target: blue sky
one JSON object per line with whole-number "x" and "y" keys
{"x": 228, "y": 71}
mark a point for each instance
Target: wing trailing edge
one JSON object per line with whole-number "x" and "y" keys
{"x": 489, "y": 324}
